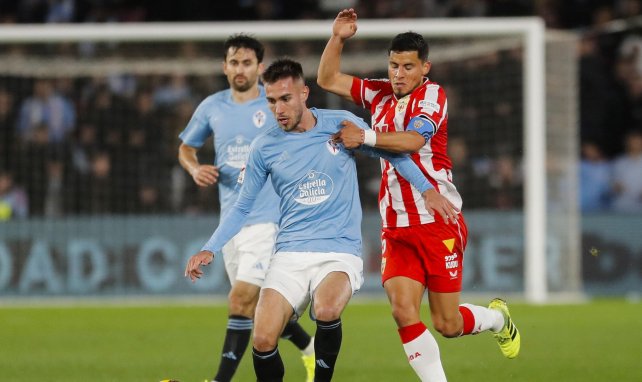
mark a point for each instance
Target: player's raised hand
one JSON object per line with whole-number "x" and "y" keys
{"x": 193, "y": 269}
{"x": 205, "y": 175}
{"x": 436, "y": 202}
{"x": 345, "y": 25}
{"x": 350, "y": 135}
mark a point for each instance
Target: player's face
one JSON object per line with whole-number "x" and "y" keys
{"x": 406, "y": 72}
{"x": 286, "y": 98}
{"x": 242, "y": 69}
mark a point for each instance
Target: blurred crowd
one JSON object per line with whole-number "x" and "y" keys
{"x": 556, "y": 13}
{"x": 88, "y": 146}
{"x": 91, "y": 145}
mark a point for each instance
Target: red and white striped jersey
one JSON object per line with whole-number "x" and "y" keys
{"x": 400, "y": 204}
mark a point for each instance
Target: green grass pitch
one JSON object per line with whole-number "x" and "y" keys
{"x": 597, "y": 341}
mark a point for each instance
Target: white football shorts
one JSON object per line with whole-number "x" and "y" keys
{"x": 296, "y": 275}
{"x": 247, "y": 255}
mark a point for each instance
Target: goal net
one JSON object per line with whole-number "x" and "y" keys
{"x": 90, "y": 121}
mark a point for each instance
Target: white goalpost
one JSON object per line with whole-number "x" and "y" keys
{"x": 548, "y": 225}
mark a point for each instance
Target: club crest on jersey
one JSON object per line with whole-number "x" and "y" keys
{"x": 332, "y": 147}
{"x": 259, "y": 119}
{"x": 402, "y": 104}
{"x": 283, "y": 157}
{"x": 315, "y": 187}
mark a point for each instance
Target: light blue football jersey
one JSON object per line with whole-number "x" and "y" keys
{"x": 234, "y": 126}
{"x": 317, "y": 184}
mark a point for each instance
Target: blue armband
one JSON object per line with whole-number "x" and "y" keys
{"x": 423, "y": 125}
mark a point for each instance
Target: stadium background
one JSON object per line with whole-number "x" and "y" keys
{"x": 94, "y": 209}
{"x": 93, "y": 200}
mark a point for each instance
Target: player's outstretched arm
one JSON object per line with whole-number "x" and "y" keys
{"x": 204, "y": 175}
{"x": 231, "y": 223}
{"x": 398, "y": 142}
{"x": 329, "y": 76}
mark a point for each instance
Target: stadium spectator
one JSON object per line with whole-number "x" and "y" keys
{"x": 142, "y": 164}
{"x": 627, "y": 175}
{"x": 172, "y": 90}
{"x": 55, "y": 195}
{"x": 421, "y": 250}
{"x": 97, "y": 186}
{"x": 234, "y": 117}
{"x": 7, "y": 128}
{"x": 13, "y": 198}
{"x": 467, "y": 8}
{"x": 108, "y": 113}
{"x": 84, "y": 142}
{"x": 150, "y": 198}
{"x": 471, "y": 186}
{"x": 46, "y": 108}
{"x": 595, "y": 179}
{"x": 505, "y": 181}
{"x": 504, "y": 8}
{"x": 32, "y": 160}
{"x": 61, "y": 11}
{"x": 603, "y": 99}
{"x": 628, "y": 8}
{"x": 318, "y": 245}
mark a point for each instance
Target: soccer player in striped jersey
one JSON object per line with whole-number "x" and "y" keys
{"x": 421, "y": 250}
{"x": 318, "y": 245}
{"x": 234, "y": 117}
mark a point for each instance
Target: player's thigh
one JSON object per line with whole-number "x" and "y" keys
{"x": 331, "y": 296}
{"x": 405, "y": 295}
{"x": 444, "y": 310}
{"x": 400, "y": 257}
{"x": 335, "y": 278}
{"x": 441, "y": 247}
{"x": 288, "y": 275}
{"x": 404, "y": 292}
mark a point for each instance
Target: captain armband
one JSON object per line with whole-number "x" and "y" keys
{"x": 423, "y": 125}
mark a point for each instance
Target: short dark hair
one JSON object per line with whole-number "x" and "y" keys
{"x": 241, "y": 40}
{"x": 408, "y": 42}
{"x": 282, "y": 68}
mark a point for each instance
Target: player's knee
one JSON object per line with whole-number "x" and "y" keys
{"x": 241, "y": 304}
{"x": 325, "y": 312}
{"x": 447, "y": 328}
{"x": 263, "y": 342}
{"x": 405, "y": 315}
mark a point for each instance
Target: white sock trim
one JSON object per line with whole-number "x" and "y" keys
{"x": 309, "y": 350}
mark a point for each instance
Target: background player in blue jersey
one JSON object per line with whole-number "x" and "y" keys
{"x": 234, "y": 117}
{"x": 318, "y": 245}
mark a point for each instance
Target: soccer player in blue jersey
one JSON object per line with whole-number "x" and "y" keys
{"x": 318, "y": 245}
{"x": 234, "y": 117}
